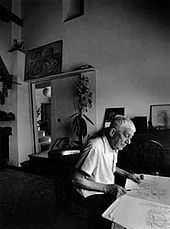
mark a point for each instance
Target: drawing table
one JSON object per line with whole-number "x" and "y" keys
{"x": 146, "y": 206}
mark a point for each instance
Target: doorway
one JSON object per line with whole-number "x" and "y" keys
{"x": 53, "y": 107}
{"x": 43, "y": 115}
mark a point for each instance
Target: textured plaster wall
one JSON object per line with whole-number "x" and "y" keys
{"x": 126, "y": 41}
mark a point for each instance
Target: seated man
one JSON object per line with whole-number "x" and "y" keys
{"x": 93, "y": 179}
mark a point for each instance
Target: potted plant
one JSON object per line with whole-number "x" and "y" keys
{"x": 82, "y": 104}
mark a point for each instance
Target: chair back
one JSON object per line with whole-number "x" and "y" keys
{"x": 145, "y": 156}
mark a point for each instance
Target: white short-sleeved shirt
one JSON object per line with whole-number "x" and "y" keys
{"x": 98, "y": 160}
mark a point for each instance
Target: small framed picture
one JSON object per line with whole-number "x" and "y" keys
{"x": 160, "y": 116}
{"x": 110, "y": 113}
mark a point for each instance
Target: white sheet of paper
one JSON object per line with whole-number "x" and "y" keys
{"x": 134, "y": 213}
{"x": 154, "y": 188}
{"x": 147, "y": 206}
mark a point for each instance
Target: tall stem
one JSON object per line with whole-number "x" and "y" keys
{"x": 81, "y": 137}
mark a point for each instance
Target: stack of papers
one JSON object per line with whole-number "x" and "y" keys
{"x": 146, "y": 206}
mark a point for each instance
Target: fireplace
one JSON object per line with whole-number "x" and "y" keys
{"x": 4, "y": 145}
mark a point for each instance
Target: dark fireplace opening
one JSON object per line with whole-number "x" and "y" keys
{"x": 4, "y": 145}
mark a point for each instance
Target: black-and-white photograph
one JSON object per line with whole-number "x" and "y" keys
{"x": 84, "y": 114}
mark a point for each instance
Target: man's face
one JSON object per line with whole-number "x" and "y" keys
{"x": 121, "y": 138}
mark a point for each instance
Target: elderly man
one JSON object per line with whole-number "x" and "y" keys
{"x": 95, "y": 171}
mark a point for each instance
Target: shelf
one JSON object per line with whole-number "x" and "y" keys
{"x": 61, "y": 75}
{"x": 7, "y": 120}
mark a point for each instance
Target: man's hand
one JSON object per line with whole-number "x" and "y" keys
{"x": 115, "y": 190}
{"x": 135, "y": 178}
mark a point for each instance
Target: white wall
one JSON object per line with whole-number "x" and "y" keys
{"x": 23, "y": 115}
{"x": 63, "y": 105}
{"x": 21, "y": 142}
{"x": 128, "y": 45}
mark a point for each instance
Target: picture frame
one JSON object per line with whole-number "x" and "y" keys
{"x": 110, "y": 113}
{"x": 160, "y": 116}
{"x": 44, "y": 60}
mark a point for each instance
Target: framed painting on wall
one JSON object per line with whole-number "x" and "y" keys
{"x": 44, "y": 60}
{"x": 160, "y": 116}
{"x": 110, "y": 113}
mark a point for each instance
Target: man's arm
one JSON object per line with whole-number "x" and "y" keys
{"x": 84, "y": 181}
{"x": 128, "y": 175}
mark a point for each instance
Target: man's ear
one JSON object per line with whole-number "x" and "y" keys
{"x": 112, "y": 132}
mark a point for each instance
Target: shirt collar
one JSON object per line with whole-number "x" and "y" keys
{"x": 107, "y": 146}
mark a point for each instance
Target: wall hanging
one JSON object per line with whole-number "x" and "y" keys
{"x": 159, "y": 116}
{"x": 44, "y": 60}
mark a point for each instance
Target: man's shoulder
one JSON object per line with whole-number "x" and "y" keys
{"x": 97, "y": 141}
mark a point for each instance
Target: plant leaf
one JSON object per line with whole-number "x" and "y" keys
{"x": 88, "y": 119}
{"x": 75, "y": 124}
{"x": 75, "y": 114}
{"x": 83, "y": 127}
{"x": 79, "y": 126}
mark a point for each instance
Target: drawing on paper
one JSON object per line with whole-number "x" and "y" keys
{"x": 149, "y": 191}
{"x": 140, "y": 213}
{"x": 158, "y": 218}
{"x": 155, "y": 219}
{"x": 148, "y": 205}
{"x": 152, "y": 188}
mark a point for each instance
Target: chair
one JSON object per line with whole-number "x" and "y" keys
{"x": 151, "y": 157}
{"x": 143, "y": 156}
